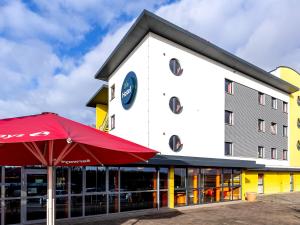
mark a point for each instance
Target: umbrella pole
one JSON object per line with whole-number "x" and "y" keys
{"x": 50, "y": 199}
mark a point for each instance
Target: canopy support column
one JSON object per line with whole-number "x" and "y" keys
{"x": 50, "y": 199}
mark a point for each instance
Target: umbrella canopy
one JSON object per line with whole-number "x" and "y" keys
{"x": 51, "y": 140}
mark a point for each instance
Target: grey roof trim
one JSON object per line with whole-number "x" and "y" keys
{"x": 277, "y": 169}
{"x": 92, "y": 102}
{"x": 165, "y": 160}
{"x": 149, "y": 22}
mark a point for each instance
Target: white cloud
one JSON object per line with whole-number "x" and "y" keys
{"x": 34, "y": 78}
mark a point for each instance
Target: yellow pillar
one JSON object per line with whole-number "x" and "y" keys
{"x": 155, "y": 193}
{"x": 243, "y": 185}
{"x": 171, "y": 187}
{"x": 218, "y": 185}
{"x": 195, "y": 185}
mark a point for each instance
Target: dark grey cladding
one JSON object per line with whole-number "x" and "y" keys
{"x": 244, "y": 133}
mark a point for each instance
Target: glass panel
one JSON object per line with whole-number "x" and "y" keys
{"x": 12, "y": 181}
{"x": 95, "y": 204}
{"x": 138, "y": 178}
{"x": 179, "y": 178}
{"x": 36, "y": 208}
{"x": 12, "y": 211}
{"x": 236, "y": 177}
{"x": 163, "y": 198}
{"x": 212, "y": 181}
{"x": 95, "y": 179}
{"x": 180, "y": 198}
{"x": 113, "y": 203}
{"x": 61, "y": 207}
{"x": 140, "y": 200}
{"x": 61, "y": 180}
{"x": 163, "y": 178}
{"x": 36, "y": 184}
{"x": 113, "y": 179}
{"x": 76, "y": 180}
{"x": 227, "y": 193}
{"x": 236, "y": 193}
{"x": 76, "y": 206}
{"x": 193, "y": 178}
{"x": 193, "y": 196}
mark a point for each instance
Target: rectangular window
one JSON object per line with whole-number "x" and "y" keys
{"x": 228, "y": 148}
{"x": 261, "y": 98}
{"x": 284, "y": 155}
{"x": 260, "y": 152}
{"x": 285, "y": 107}
{"x": 273, "y": 128}
{"x": 261, "y": 125}
{"x": 112, "y": 122}
{"x": 228, "y": 86}
{"x": 274, "y": 103}
{"x": 285, "y": 131}
{"x": 228, "y": 117}
{"x": 273, "y": 153}
{"x": 112, "y": 92}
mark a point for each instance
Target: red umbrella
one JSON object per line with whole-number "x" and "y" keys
{"x": 51, "y": 140}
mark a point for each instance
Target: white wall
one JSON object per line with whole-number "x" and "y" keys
{"x": 200, "y": 89}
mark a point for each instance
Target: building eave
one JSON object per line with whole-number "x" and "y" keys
{"x": 100, "y": 97}
{"x": 149, "y": 22}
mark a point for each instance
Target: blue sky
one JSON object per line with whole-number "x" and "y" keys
{"x": 50, "y": 50}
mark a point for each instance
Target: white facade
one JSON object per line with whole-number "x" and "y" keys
{"x": 200, "y": 88}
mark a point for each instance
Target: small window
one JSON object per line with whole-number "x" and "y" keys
{"x": 261, "y": 125}
{"x": 228, "y": 148}
{"x": 228, "y": 86}
{"x": 273, "y": 153}
{"x": 261, "y": 98}
{"x": 228, "y": 117}
{"x": 284, "y": 155}
{"x": 112, "y": 122}
{"x": 285, "y": 107}
{"x": 112, "y": 92}
{"x": 175, "y": 143}
{"x": 260, "y": 152}
{"x": 298, "y": 145}
{"x": 298, "y": 122}
{"x": 175, "y": 105}
{"x": 175, "y": 67}
{"x": 284, "y": 131}
{"x": 298, "y": 100}
{"x": 274, "y": 103}
{"x": 273, "y": 128}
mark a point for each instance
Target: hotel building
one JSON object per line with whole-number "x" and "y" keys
{"x": 223, "y": 127}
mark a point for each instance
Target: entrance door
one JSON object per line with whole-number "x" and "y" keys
{"x": 36, "y": 194}
{"x": 291, "y": 182}
{"x": 260, "y": 183}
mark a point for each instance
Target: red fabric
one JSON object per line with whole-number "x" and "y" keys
{"x": 42, "y": 128}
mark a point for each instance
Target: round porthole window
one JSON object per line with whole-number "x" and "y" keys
{"x": 298, "y": 100}
{"x": 298, "y": 145}
{"x": 175, "y": 105}
{"x": 175, "y": 143}
{"x": 175, "y": 67}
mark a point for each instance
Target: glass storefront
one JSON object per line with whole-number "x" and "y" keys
{"x": 95, "y": 190}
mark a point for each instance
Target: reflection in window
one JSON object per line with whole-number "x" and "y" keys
{"x": 175, "y": 105}
{"x": 180, "y": 186}
{"x": 139, "y": 200}
{"x": 212, "y": 185}
{"x": 61, "y": 207}
{"x": 193, "y": 186}
{"x": 12, "y": 211}
{"x": 175, "y": 67}
{"x": 138, "y": 178}
{"x": 95, "y": 179}
{"x": 61, "y": 180}
{"x": 95, "y": 204}
{"x": 274, "y": 103}
{"x": 175, "y": 143}
{"x": 228, "y": 86}
{"x": 261, "y": 98}
{"x": 12, "y": 181}
{"x": 113, "y": 179}
{"x": 163, "y": 178}
{"x": 76, "y": 180}
{"x": 76, "y": 206}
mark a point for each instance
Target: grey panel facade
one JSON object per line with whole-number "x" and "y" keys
{"x": 244, "y": 132}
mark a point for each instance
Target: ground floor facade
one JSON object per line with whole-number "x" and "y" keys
{"x": 93, "y": 190}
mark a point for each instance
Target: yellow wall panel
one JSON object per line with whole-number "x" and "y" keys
{"x": 171, "y": 187}
{"x": 249, "y": 182}
{"x": 296, "y": 181}
{"x": 101, "y": 112}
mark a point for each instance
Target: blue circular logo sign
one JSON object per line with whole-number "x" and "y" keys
{"x": 128, "y": 91}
